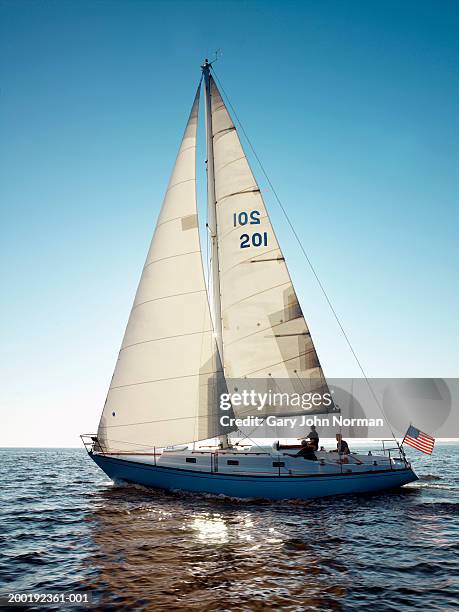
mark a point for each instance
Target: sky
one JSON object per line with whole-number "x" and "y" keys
{"x": 352, "y": 108}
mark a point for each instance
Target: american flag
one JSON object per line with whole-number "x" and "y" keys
{"x": 419, "y": 440}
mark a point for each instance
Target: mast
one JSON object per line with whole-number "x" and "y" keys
{"x": 212, "y": 214}
{"x": 212, "y": 227}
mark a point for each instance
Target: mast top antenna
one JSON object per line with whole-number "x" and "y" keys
{"x": 208, "y": 64}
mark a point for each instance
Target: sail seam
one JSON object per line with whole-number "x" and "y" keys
{"x": 193, "y": 146}
{"x": 243, "y": 191}
{"x": 169, "y": 257}
{"x": 174, "y": 219}
{"x": 217, "y": 108}
{"x": 146, "y": 382}
{"x": 224, "y": 130}
{"x": 248, "y": 260}
{"x": 165, "y": 297}
{"x": 180, "y": 183}
{"x": 248, "y": 297}
{"x": 204, "y": 331}
{"x": 233, "y": 161}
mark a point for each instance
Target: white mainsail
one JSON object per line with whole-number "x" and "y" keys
{"x": 264, "y": 332}
{"x": 168, "y": 375}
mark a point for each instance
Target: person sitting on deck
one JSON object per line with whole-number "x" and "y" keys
{"x": 306, "y": 451}
{"x": 313, "y": 436}
{"x": 342, "y": 446}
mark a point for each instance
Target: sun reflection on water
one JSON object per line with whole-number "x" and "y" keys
{"x": 210, "y": 528}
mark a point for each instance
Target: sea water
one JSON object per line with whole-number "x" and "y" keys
{"x": 65, "y": 527}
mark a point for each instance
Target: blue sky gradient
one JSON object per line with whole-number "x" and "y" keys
{"x": 353, "y": 108}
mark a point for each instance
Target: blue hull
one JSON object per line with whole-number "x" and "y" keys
{"x": 266, "y": 487}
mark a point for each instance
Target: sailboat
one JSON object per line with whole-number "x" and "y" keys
{"x": 192, "y": 338}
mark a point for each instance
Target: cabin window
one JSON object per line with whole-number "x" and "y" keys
{"x": 232, "y": 462}
{"x": 278, "y": 464}
{"x": 191, "y": 459}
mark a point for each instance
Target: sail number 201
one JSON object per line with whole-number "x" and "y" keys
{"x": 250, "y": 218}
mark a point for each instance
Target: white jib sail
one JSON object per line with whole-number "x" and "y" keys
{"x": 164, "y": 387}
{"x": 264, "y": 332}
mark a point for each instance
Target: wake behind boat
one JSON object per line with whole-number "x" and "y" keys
{"x": 178, "y": 359}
